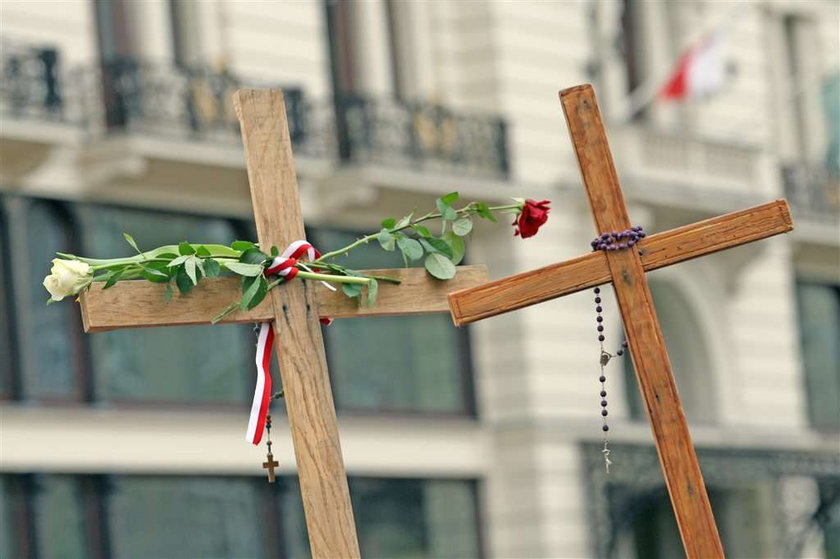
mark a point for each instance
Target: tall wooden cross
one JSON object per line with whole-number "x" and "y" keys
{"x": 626, "y": 270}
{"x": 294, "y": 309}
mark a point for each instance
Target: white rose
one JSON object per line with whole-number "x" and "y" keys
{"x": 67, "y": 277}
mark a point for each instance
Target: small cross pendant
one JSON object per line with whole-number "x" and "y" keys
{"x": 270, "y": 465}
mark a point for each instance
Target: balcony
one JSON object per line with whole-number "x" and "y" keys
{"x": 129, "y": 112}
{"x": 813, "y": 193}
{"x": 683, "y": 171}
{"x": 37, "y": 114}
{"x": 420, "y": 136}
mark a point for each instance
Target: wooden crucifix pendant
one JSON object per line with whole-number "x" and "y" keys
{"x": 269, "y": 465}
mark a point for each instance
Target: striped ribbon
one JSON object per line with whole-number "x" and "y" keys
{"x": 284, "y": 265}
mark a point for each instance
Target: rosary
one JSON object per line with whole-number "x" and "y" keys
{"x": 610, "y": 242}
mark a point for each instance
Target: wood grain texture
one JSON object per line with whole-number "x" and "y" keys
{"x": 300, "y": 351}
{"x": 657, "y": 251}
{"x": 138, "y": 304}
{"x": 647, "y": 346}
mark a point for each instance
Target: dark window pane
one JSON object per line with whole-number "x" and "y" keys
{"x": 176, "y": 364}
{"x": 60, "y": 517}
{"x": 415, "y": 518}
{"x": 398, "y": 363}
{"x": 52, "y": 360}
{"x": 186, "y": 517}
{"x": 8, "y": 523}
{"x": 7, "y": 360}
{"x": 819, "y": 327}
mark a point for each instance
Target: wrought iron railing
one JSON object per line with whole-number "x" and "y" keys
{"x": 812, "y": 191}
{"x": 127, "y": 95}
{"x": 420, "y": 135}
{"x": 179, "y": 102}
{"x": 29, "y": 82}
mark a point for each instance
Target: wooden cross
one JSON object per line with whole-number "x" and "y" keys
{"x": 294, "y": 309}
{"x": 626, "y": 270}
{"x": 270, "y": 465}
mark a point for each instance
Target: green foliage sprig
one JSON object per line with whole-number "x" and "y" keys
{"x": 184, "y": 265}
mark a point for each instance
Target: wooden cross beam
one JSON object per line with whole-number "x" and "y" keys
{"x": 294, "y": 309}
{"x": 626, "y": 270}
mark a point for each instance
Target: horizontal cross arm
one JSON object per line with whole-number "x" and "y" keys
{"x": 657, "y": 251}
{"x": 135, "y": 304}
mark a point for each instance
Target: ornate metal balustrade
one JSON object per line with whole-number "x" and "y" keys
{"x": 30, "y": 86}
{"x": 183, "y": 103}
{"x": 421, "y": 136}
{"x": 806, "y": 489}
{"x": 812, "y": 191}
{"x": 127, "y": 95}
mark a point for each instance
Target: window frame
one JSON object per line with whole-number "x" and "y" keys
{"x": 466, "y": 365}
{"x": 17, "y": 209}
{"x": 241, "y": 229}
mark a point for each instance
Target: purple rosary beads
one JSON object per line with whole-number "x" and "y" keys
{"x": 618, "y": 241}
{"x": 610, "y": 242}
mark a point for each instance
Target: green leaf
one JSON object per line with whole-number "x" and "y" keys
{"x": 167, "y": 296}
{"x": 202, "y": 251}
{"x": 386, "y": 239}
{"x": 450, "y": 198}
{"x": 439, "y": 266}
{"x": 113, "y": 277}
{"x": 410, "y": 248}
{"x": 212, "y": 269}
{"x": 130, "y": 240}
{"x": 484, "y": 212}
{"x": 253, "y": 256}
{"x": 178, "y": 260}
{"x": 243, "y": 269}
{"x": 189, "y": 267}
{"x": 352, "y": 289}
{"x": 389, "y": 223}
{"x": 185, "y": 248}
{"x": 153, "y": 273}
{"x": 433, "y": 245}
{"x": 254, "y": 290}
{"x": 373, "y": 290}
{"x": 242, "y": 245}
{"x": 404, "y": 221}
{"x": 167, "y": 255}
{"x": 422, "y": 231}
{"x": 183, "y": 281}
{"x": 462, "y": 227}
{"x": 458, "y": 247}
{"x": 447, "y": 212}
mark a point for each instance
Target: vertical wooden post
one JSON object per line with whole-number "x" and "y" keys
{"x": 300, "y": 347}
{"x": 647, "y": 346}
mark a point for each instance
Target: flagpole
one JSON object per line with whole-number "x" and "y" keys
{"x": 645, "y": 93}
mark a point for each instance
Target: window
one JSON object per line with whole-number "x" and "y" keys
{"x": 402, "y": 518}
{"x": 52, "y": 357}
{"x": 59, "y": 517}
{"x": 205, "y": 516}
{"x": 744, "y": 517}
{"x": 688, "y": 355}
{"x": 819, "y": 331}
{"x": 8, "y": 362}
{"x": 399, "y": 363}
{"x": 207, "y": 364}
{"x": 186, "y": 517}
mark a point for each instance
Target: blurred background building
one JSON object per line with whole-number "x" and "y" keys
{"x": 116, "y": 116}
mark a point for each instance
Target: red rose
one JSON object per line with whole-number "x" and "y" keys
{"x": 531, "y": 218}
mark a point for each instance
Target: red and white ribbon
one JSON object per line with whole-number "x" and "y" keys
{"x": 284, "y": 265}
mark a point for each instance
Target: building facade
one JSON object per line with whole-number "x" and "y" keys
{"x": 485, "y": 441}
